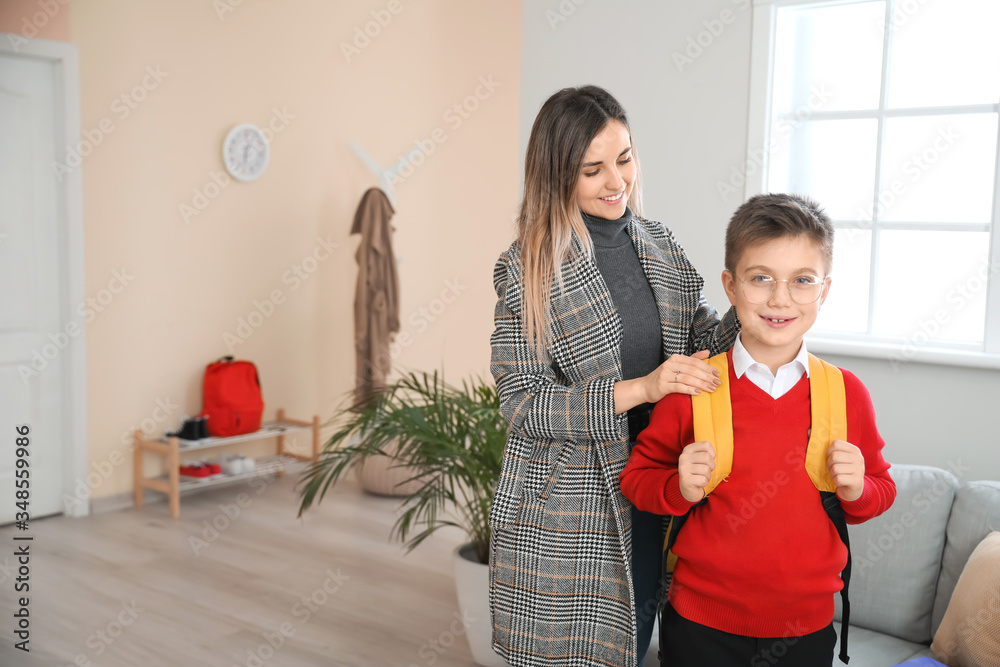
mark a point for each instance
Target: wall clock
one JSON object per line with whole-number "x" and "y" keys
{"x": 245, "y": 152}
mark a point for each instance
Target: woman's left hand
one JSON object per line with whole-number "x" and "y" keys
{"x": 681, "y": 374}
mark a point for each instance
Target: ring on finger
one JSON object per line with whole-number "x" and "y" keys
{"x": 677, "y": 375}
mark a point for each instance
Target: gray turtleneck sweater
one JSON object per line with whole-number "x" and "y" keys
{"x": 630, "y": 292}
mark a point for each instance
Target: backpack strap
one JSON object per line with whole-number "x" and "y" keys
{"x": 829, "y": 422}
{"x": 831, "y": 503}
{"x": 828, "y": 407}
{"x": 713, "y": 421}
{"x": 669, "y": 559}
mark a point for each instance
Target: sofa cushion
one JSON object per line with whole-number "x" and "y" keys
{"x": 970, "y": 630}
{"x": 874, "y": 649}
{"x": 897, "y": 556}
{"x": 976, "y": 513}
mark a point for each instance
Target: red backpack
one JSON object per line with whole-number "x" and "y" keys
{"x": 231, "y": 398}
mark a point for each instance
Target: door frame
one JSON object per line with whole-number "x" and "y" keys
{"x": 65, "y": 57}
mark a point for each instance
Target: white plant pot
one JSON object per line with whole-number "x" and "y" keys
{"x": 472, "y": 582}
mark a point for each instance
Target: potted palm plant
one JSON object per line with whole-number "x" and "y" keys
{"x": 452, "y": 439}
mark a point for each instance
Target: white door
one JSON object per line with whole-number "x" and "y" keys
{"x": 38, "y": 342}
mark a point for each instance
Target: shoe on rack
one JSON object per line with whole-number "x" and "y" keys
{"x": 203, "y": 427}
{"x": 232, "y": 464}
{"x": 197, "y": 470}
{"x": 189, "y": 431}
{"x": 249, "y": 465}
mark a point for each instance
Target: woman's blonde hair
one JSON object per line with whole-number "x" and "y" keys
{"x": 549, "y": 216}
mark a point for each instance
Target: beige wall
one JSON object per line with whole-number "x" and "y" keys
{"x": 188, "y": 283}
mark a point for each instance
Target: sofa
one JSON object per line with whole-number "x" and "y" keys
{"x": 907, "y": 562}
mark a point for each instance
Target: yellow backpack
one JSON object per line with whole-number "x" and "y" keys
{"x": 713, "y": 421}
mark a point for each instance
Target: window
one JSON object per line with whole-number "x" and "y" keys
{"x": 886, "y": 112}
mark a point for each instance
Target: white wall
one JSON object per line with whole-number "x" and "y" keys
{"x": 689, "y": 121}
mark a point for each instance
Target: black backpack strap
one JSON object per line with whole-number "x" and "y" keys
{"x": 831, "y": 503}
{"x": 666, "y": 576}
{"x": 674, "y": 528}
{"x": 668, "y": 542}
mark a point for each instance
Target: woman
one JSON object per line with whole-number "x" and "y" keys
{"x": 599, "y": 315}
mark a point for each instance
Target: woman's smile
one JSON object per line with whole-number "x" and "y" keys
{"x": 608, "y": 173}
{"x": 613, "y": 199}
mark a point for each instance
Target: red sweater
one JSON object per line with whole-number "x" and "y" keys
{"x": 761, "y": 558}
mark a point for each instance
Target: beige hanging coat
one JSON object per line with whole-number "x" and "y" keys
{"x": 376, "y": 297}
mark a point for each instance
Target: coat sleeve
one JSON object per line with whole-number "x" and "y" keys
{"x": 391, "y": 284}
{"x": 535, "y": 403}
{"x": 708, "y": 332}
{"x": 879, "y": 490}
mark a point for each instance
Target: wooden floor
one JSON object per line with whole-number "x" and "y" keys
{"x": 126, "y": 589}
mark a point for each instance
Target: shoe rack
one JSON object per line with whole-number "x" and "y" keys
{"x": 171, "y": 448}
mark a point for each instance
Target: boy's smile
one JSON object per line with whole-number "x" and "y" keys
{"x": 773, "y": 329}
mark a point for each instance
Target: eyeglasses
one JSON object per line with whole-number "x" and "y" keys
{"x": 759, "y": 288}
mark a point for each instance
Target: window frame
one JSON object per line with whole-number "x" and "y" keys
{"x": 985, "y": 355}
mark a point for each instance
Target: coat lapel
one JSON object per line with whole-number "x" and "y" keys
{"x": 587, "y": 331}
{"x": 585, "y": 282}
{"x": 657, "y": 266}
{"x": 677, "y": 287}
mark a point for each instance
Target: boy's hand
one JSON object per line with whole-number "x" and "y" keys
{"x": 694, "y": 467}
{"x": 681, "y": 374}
{"x": 847, "y": 467}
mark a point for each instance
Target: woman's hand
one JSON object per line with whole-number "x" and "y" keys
{"x": 681, "y": 375}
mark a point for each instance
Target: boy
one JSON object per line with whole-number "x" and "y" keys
{"x": 759, "y": 560}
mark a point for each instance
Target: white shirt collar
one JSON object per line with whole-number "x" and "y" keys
{"x": 742, "y": 359}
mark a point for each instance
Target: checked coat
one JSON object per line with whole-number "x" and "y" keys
{"x": 560, "y": 548}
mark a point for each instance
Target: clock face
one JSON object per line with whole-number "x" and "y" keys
{"x": 245, "y": 152}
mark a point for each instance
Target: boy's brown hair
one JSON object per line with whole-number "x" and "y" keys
{"x": 764, "y": 218}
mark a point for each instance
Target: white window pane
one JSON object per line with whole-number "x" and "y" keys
{"x": 932, "y": 286}
{"x": 944, "y": 53}
{"x": 846, "y": 306}
{"x": 832, "y": 161}
{"x": 939, "y": 168}
{"x": 813, "y": 67}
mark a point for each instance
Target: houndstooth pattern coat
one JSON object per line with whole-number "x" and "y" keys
{"x": 560, "y": 552}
